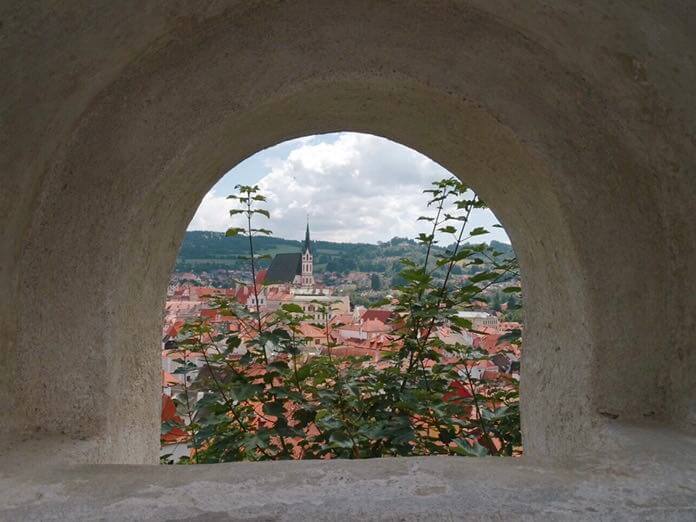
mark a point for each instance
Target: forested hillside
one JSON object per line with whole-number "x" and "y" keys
{"x": 207, "y": 251}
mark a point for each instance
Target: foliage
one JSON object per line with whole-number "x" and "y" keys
{"x": 256, "y": 390}
{"x": 205, "y": 251}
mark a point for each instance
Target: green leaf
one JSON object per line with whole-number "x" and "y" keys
{"x": 304, "y": 416}
{"x": 460, "y": 322}
{"x": 243, "y": 391}
{"x": 403, "y": 435}
{"x": 234, "y": 231}
{"x": 279, "y": 365}
{"x": 478, "y": 231}
{"x": 340, "y": 439}
{"x": 233, "y": 341}
{"x": 263, "y": 231}
{"x": 464, "y": 448}
{"x": 275, "y": 408}
{"x": 304, "y": 371}
{"x": 168, "y": 426}
{"x": 292, "y": 308}
{"x": 483, "y": 276}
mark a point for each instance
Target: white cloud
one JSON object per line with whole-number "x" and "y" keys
{"x": 356, "y": 188}
{"x": 212, "y": 213}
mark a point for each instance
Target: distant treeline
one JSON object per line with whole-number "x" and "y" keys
{"x": 203, "y": 251}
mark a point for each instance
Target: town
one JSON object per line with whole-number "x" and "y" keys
{"x": 330, "y": 324}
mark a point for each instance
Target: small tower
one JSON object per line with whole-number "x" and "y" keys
{"x": 307, "y": 261}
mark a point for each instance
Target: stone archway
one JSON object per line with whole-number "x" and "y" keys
{"x": 573, "y": 125}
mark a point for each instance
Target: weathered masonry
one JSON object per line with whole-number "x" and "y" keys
{"x": 575, "y": 121}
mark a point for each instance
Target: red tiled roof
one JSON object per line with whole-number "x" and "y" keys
{"x": 176, "y": 434}
{"x": 375, "y": 325}
{"x": 242, "y": 294}
{"x": 277, "y": 294}
{"x": 354, "y": 351}
{"x": 380, "y": 315}
{"x": 208, "y": 313}
{"x": 168, "y": 409}
{"x": 174, "y": 329}
{"x": 381, "y": 341}
{"x": 458, "y": 391}
{"x": 168, "y": 379}
{"x": 350, "y": 327}
{"x": 492, "y": 344}
{"x": 201, "y": 291}
{"x": 342, "y": 319}
{"x": 312, "y": 331}
{"x": 490, "y": 375}
{"x": 510, "y": 325}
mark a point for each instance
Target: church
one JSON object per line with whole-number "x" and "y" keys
{"x": 294, "y": 268}
{"x": 290, "y": 279}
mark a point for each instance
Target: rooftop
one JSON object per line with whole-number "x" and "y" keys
{"x": 284, "y": 268}
{"x": 473, "y": 315}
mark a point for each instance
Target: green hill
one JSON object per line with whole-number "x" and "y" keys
{"x": 207, "y": 251}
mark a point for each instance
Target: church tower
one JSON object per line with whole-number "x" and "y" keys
{"x": 307, "y": 261}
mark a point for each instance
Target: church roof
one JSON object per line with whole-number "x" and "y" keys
{"x": 284, "y": 268}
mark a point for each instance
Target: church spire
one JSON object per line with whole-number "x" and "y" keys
{"x": 307, "y": 243}
{"x": 307, "y": 261}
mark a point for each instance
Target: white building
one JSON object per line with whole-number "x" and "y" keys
{"x": 480, "y": 320}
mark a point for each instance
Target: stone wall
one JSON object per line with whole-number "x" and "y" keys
{"x": 573, "y": 120}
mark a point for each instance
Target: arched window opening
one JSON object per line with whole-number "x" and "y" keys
{"x": 341, "y": 296}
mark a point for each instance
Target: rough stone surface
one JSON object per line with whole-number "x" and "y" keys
{"x": 574, "y": 120}
{"x": 627, "y": 484}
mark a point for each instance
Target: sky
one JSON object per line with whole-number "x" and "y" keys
{"x": 351, "y": 187}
